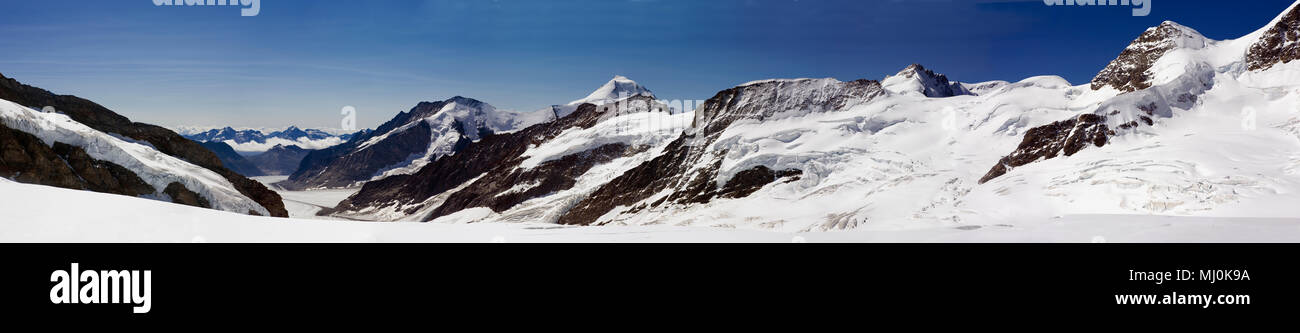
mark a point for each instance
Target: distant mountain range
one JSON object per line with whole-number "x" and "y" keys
{"x": 250, "y": 141}
{"x": 265, "y": 152}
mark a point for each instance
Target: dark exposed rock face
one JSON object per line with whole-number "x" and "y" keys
{"x": 635, "y": 185}
{"x": 184, "y": 196}
{"x": 689, "y": 171}
{"x": 25, "y": 158}
{"x": 233, "y": 160}
{"x": 166, "y": 141}
{"x": 1131, "y": 71}
{"x": 1278, "y": 45}
{"x": 279, "y": 160}
{"x": 1051, "y": 140}
{"x": 749, "y": 181}
{"x": 497, "y": 158}
{"x": 102, "y": 176}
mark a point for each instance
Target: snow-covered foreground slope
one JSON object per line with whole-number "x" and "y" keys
{"x": 153, "y": 167}
{"x": 35, "y": 213}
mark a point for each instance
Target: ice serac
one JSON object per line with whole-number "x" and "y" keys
{"x": 161, "y": 139}
{"x": 686, "y": 171}
{"x": 1132, "y": 70}
{"x": 916, "y": 79}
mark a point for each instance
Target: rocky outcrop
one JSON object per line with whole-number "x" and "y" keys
{"x": 749, "y": 181}
{"x": 102, "y": 119}
{"x": 1280, "y": 44}
{"x": 184, "y": 196}
{"x": 1049, "y": 141}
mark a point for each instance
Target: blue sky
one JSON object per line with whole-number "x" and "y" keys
{"x": 299, "y": 62}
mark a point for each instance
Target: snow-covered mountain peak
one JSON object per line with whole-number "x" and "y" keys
{"x": 1132, "y": 70}
{"x": 620, "y": 87}
{"x": 474, "y": 116}
{"x": 1180, "y": 35}
{"x": 917, "y": 80}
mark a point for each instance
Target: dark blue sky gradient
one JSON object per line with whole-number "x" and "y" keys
{"x": 300, "y": 61}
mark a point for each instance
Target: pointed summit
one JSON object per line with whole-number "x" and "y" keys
{"x": 915, "y": 79}
{"x": 1131, "y": 70}
{"x": 620, "y": 87}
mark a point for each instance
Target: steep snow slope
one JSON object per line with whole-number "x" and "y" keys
{"x": 155, "y": 168}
